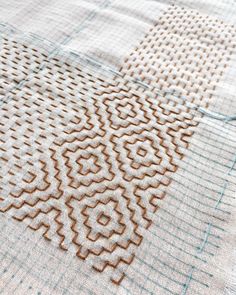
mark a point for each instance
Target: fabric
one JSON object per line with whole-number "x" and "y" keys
{"x": 117, "y": 147}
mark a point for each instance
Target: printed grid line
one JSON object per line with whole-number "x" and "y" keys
{"x": 190, "y": 277}
{"x": 57, "y": 48}
{"x": 232, "y": 168}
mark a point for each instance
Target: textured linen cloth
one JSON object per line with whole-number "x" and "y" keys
{"x": 118, "y": 147}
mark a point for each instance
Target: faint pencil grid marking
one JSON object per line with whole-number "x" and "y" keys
{"x": 85, "y": 159}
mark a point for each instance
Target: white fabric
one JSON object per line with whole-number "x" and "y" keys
{"x": 65, "y": 65}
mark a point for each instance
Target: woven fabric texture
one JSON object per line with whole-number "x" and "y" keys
{"x": 117, "y": 147}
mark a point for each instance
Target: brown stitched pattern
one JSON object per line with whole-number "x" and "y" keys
{"x": 86, "y": 159}
{"x": 17, "y": 60}
{"x": 74, "y": 154}
{"x": 185, "y": 51}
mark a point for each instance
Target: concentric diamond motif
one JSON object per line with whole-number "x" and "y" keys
{"x": 85, "y": 158}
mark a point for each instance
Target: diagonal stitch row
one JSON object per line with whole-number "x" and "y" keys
{"x": 57, "y": 48}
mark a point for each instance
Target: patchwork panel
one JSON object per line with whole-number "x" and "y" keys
{"x": 86, "y": 158}
{"x": 185, "y": 52}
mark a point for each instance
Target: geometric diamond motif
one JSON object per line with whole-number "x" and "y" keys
{"x": 85, "y": 158}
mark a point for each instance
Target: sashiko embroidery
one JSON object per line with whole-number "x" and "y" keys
{"x": 118, "y": 150}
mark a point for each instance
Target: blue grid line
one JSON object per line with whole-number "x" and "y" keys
{"x": 207, "y": 166}
{"x": 186, "y": 232}
{"x": 41, "y": 250}
{"x": 182, "y": 240}
{"x": 178, "y": 227}
{"x": 184, "y": 221}
{"x": 199, "y": 184}
{"x": 208, "y": 142}
{"x": 205, "y": 241}
{"x": 222, "y": 135}
{"x": 176, "y": 246}
{"x": 190, "y": 277}
{"x": 192, "y": 207}
{"x": 161, "y": 273}
{"x": 192, "y": 216}
{"x": 151, "y": 280}
{"x": 96, "y": 63}
{"x": 188, "y": 281}
{"x": 189, "y": 197}
{"x": 212, "y": 145}
{"x": 171, "y": 268}
{"x": 222, "y": 193}
{"x": 202, "y": 195}
{"x": 204, "y": 186}
{"x": 56, "y": 50}
{"x": 212, "y": 182}
{"x": 216, "y": 115}
{"x": 201, "y": 248}
{"x": 150, "y": 243}
{"x": 201, "y": 110}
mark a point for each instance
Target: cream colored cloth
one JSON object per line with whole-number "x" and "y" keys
{"x": 117, "y": 147}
